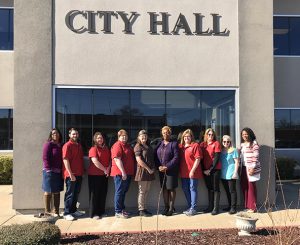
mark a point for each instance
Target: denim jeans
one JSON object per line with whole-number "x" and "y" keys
{"x": 121, "y": 187}
{"x": 189, "y": 187}
{"x": 71, "y": 195}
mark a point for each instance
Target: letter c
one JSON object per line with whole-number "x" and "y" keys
{"x": 70, "y": 21}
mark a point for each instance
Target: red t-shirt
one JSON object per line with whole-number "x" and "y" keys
{"x": 208, "y": 150}
{"x": 126, "y": 154}
{"x": 73, "y": 152}
{"x": 103, "y": 156}
{"x": 188, "y": 155}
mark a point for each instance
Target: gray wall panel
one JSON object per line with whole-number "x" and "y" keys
{"x": 287, "y": 7}
{"x": 32, "y": 97}
{"x": 256, "y": 82}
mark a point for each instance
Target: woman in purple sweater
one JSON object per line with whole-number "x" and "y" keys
{"x": 52, "y": 172}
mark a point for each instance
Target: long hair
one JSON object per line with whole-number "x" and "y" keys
{"x": 95, "y": 137}
{"x": 59, "y": 134}
{"x": 250, "y": 133}
{"x": 190, "y": 132}
{"x": 141, "y": 132}
{"x": 206, "y": 134}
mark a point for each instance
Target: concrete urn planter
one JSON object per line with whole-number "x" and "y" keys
{"x": 245, "y": 224}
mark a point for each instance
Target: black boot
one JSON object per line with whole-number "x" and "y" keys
{"x": 210, "y": 202}
{"x": 216, "y": 203}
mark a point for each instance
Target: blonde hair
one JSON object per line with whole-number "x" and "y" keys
{"x": 166, "y": 128}
{"x": 206, "y": 134}
{"x": 230, "y": 148}
{"x": 188, "y": 131}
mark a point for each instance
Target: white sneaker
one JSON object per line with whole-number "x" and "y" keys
{"x": 96, "y": 217}
{"x": 69, "y": 217}
{"x": 77, "y": 214}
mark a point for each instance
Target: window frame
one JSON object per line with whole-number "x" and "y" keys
{"x": 12, "y": 109}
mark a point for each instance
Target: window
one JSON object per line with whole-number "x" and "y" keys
{"x": 287, "y": 128}
{"x": 108, "y": 110}
{"x": 286, "y": 35}
{"x": 6, "y": 129}
{"x": 6, "y": 29}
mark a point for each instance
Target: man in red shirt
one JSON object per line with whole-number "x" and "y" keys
{"x": 72, "y": 171}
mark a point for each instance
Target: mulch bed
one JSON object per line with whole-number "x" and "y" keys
{"x": 289, "y": 235}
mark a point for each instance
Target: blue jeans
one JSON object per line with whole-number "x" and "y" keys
{"x": 71, "y": 195}
{"x": 189, "y": 187}
{"x": 121, "y": 187}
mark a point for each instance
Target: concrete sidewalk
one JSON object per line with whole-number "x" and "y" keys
{"x": 136, "y": 224}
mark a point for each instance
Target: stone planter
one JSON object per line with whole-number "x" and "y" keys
{"x": 245, "y": 223}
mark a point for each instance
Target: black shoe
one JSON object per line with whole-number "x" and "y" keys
{"x": 214, "y": 212}
{"x": 170, "y": 213}
{"x": 226, "y": 209}
{"x": 145, "y": 213}
{"x": 207, "y": 210}
{"x": 166, "y": 210}
{"x": 232, "y": 211}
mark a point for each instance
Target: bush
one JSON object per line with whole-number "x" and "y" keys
{"x": 35, "y": 233}
{"x": 6, "y": 170}
{"x": 285, "y": 167}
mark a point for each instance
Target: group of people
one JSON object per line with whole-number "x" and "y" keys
{"x": 186, "y": 159}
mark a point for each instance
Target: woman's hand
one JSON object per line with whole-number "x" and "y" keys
{"x": 235, "y": 175}
{"x": 207, "y": 172}
{"x": 150, "y": 171}
{"x": 250, "y": 171}
{"x": 162, "y": 168}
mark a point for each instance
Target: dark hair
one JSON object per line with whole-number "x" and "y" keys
{"x": 95, "y": 137}
{"x": 250, "y": 133}
{"x": 59, "y": 133}
{"x": 72, "y": 129}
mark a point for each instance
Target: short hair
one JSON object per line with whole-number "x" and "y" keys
{"x": 250, "y": 133}
{"x": 72, "y": 129}
{"x": 141, "y": 132}
{"x": 227, "y": 137}
{"x": 188, "y": 131}
{"x": 96, "y": 135}
{"x": 166, "y": 128}
{"x": 122, "y": 131}
{"x": 206, "y": 134}
{"x": 59, "y": 133}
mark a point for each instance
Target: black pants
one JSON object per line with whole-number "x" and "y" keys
{"x": 212, "y": 181}
{"x": 97, "y": 194}
{"x": 230, "y": 188}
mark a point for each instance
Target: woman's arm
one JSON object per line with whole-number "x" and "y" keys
{"x": 143, "y": 165}
{"x": 99, "y": 165}
{"x": 195, "y": 166}
{"x": 120, "y": 166}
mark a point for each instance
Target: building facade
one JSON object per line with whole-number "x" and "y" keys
{"x": 106, "y": 65}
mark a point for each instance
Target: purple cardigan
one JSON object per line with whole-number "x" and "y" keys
{"x": 52, "y": 157}
{"x": 168, "y": 156}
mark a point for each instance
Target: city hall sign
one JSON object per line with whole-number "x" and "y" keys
{"x": 90, "y": 20}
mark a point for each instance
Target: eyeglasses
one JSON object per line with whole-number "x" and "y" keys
{"x": 226, "y": 142}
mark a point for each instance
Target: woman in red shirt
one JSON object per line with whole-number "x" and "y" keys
{"x": 98, "y": 172}
{"x": 211, "y": 168}
{"x": 190, "y": 156}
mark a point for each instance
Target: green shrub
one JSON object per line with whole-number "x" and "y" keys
{"x": 35, "y": 233}
{"x": 6, "y": 170}
{"x": 285, "y": 167}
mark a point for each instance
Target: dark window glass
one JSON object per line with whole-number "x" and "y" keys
{"x": 106, "y": 110}
{"x": 6, "y": 29}
{"x": 6, "y": 129}
{"x": 148, "y": 112}
{"x": 218, "y": 112}
{"x": 287, "y": 128}
{"x": 74, "y": 110}
{"x": 111, "y": 112}
{"x": 294, "y": 36}
{"x": 183, "y": 111}
{"x": 286, "y": 35}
